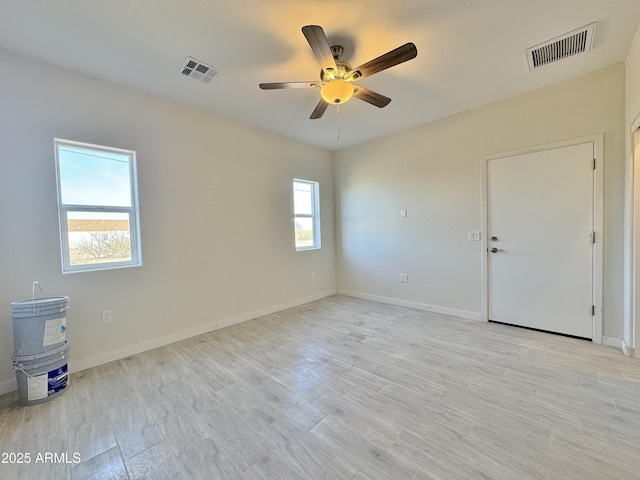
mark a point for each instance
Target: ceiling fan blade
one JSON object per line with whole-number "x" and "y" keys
{"x": 282, "y": 85}
{"x": 371, "y": 97}
{"x": 321, "y": 107}
{"x": 389, "y": 59}
{"x": 320, "y": 46}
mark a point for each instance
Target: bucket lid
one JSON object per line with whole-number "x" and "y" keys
{"x": 40, "y": 302}
{"x": 38, "y": 312}
{"x": 39, "y": 305}
{"x": 56, "y": 352}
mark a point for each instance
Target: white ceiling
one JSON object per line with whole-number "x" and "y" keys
{"x": 470, "y": 52}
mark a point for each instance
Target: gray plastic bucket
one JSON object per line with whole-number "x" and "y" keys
{"x": 39, "y": 325}
{"x": 42, "y": 377}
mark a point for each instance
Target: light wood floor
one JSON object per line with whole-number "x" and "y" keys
{"x": 343, "y": 389}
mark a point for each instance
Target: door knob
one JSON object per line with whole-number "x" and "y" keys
{"x": 496, "y": 250}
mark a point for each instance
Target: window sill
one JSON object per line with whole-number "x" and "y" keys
{"x": 306, "y": 249}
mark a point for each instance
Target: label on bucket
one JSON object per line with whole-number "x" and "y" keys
{"x": 55, "y": 331}
{"x": 41, "y": 386}
{"x": 58, "y": 379}
{"x": 37, "y": 387}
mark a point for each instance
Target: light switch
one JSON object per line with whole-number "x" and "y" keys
{"x": 474, "y": 236}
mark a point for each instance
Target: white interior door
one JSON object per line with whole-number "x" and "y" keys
{"x": 540, "y": 249}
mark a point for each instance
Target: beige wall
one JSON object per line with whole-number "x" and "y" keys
{"x": 434, "y": 171}
{"x": 632, "y": 80}
{"x": 215, "y": 207}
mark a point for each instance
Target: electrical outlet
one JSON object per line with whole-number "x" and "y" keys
{"x": 404, "y": 278}
{"x": 106, "y": 316}
{"x": 403, "y": 213}
{"x": 313, "y": 274}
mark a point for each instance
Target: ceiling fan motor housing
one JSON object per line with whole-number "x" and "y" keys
{"x": 337, "y": 51}
{"x": 342, "y": 69}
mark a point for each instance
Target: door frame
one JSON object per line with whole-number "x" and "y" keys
{"x": 598, "y": 203}
{"x": 632, "y": 249}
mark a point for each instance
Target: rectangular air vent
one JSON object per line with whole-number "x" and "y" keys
{"x": 198, "y": 70}
{"x": 567, "y": 45}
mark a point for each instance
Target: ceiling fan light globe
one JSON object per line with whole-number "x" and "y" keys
{"x": 337, "y": 91}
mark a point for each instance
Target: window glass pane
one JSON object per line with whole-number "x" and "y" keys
{"x": 97, "y": 205}
{"x": 304, "y": 232}
{"x": 92, "y": 177}
{"x": 302, "y": 198}
{"x": 96, "y": 237}
{"x": 306, "y": 214}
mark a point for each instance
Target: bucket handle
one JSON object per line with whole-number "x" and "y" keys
{"x": 18, "y": 366}
{"x": 33, "y": 294}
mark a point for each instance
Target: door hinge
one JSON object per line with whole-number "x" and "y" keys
{"x": 593, "y": 237}
{"x": 593, "y": 310}
{"x": 594, "y": 163}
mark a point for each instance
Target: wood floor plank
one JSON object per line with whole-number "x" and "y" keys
{"x": 108, "y": 465}
{"x": 449, "y": 454}
{"x": 205, "y": 461}
{"x": 608, "y": 457}
{"x": 364, "y": 409}
{"x": 429, "y": 407}
{"x": 134, "y": 427}
{"x": 179, "y": 423}
{"x": 45, "y": 428}
{"x": 308, "y": 453}
{"x": 273, "y": 466}
{"x": 368, "y": 452}
{"x": 242, "y": 443}
{"x": 90, "y": 432}
{"x": 242, "y": 401}
{"x": 11, "y": 416}
{"x": 501, "y": 396}
{"x": 156, "y": 462}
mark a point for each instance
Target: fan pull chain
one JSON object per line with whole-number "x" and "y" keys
{"x": 338, "y": 115}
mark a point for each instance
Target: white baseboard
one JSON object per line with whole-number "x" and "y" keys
{"x": 612, "y": 341}
{"x": 10, "y": 386}
{"x": 417, "y": 305}
{"x": 83, "y": 364}
{"x": 627, "y": 350}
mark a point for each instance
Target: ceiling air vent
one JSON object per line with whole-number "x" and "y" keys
{"x": 196, "y": 69}
{"x": 567, "y": 45}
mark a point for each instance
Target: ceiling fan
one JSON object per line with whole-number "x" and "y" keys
{"x": 337, "y": 78}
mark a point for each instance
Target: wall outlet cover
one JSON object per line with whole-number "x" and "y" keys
{"x": 474, "y": 236}
{"x": 106, "y": 316}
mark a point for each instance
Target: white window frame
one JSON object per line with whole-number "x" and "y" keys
{"x": 314, "y": 215}
{"x": 132, "y": 211}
